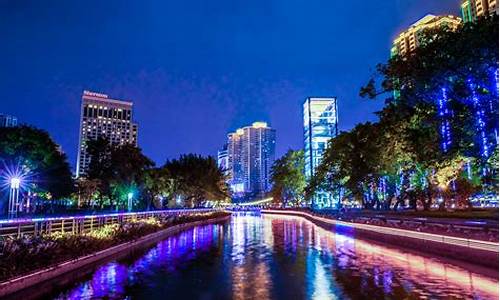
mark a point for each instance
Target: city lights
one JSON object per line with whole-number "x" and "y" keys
{"x": 15, "y": 182}
{"x": 244, "y": 182}
{"x": 479, "y": 113}
{"x": 129, "y": 201}
{"x": 444, "y": 114}
{"x": 469, "y": 243}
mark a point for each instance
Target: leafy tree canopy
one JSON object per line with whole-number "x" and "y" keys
{"x": 287, "y": 175}
{"x": 33, "y": 153}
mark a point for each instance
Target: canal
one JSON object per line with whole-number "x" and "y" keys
{"x": 277, "y": 257}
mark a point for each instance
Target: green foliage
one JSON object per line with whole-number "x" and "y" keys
{"x": 119, "y": 169}
{"x": 197, "y": 179}
{"x": 400, "y": 158}
{"x": 157, "y": 185}
{"x": 288, "y": 179}
{"x": 38, "y": 156}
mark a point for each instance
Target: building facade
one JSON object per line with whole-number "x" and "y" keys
{"x": 474, "y": 9}
{"x": 250, "y": 156}
{"x": 7, "y": 121}
{"x": 102, "y": 116}
{"x": 320, "y": 126}
{"x": 410, "y": 39}
{"x": 223, "y": 160}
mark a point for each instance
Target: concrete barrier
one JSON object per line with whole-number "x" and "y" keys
{"x": 473, "y": 251}
{"x": 19, "y": 283}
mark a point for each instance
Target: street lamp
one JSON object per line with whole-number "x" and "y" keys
{"x": 15, "y": 184}
{"x": 129, "y": 201}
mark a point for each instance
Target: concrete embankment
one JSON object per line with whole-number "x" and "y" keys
{"x": 12, "y": 287}
{"x": 476, "y": 252}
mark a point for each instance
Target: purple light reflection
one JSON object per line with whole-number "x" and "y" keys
{"x": 110, "y": 280}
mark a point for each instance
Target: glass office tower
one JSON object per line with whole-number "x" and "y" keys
{"x": 320, "y": 126}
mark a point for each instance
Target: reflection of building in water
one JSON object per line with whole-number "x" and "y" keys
{"x": 355, "y": 264}
{"x": 250, "y": 272}
{"x": 251, "y": 281}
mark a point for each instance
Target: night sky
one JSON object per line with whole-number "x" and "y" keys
{"x": 194, "y": 69}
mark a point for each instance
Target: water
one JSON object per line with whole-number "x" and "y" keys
{"x": 277, "y": 257}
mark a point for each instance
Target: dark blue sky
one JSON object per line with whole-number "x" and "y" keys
{"x": 196, "y": 69}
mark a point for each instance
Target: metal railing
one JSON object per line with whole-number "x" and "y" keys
{"x": 81, "y": 224}
{"x": 456, "y": 241}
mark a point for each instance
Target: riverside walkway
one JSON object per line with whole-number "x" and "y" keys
{"x": 472, "y": 244}
{"x": 18, "y": 227}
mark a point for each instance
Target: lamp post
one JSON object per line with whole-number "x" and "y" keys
{"x": 129, "y": 201}
{"x": 15, "y": 183}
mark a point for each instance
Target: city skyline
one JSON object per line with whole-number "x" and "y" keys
{"x": 232, "y": 90}
{"x": 249, "y": 149}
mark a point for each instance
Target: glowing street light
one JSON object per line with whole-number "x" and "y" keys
{"x": 15, "y": 184}
{"x": 129, "y": 201}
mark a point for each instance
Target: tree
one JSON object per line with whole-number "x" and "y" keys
{"x": 287, "y": 175}
{"x": 87, "y": 191}
{"x": 445, "y": 115}
{"x": 157, "y": 185}
{"x": 197, "y": 179}
{"x": 119, "y": 168}
{"x": 32, "y": 153}
{"x": 454, "y": 74}
{"x": 351, "y": 161}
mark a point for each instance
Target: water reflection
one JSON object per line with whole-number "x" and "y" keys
{"x": 269, "y": 257}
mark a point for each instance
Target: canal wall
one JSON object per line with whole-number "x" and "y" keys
{"x": 476, "y": 252}
{"x": 11, "y": 287}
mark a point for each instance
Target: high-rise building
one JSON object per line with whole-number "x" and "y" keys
{"x": 410, "y": 39}
{"x": 7, "y": 121}
{"x": 250, "y": 155}
{"x": 102, "y": 116}
{"x": 223, "y": 160}
{"x": 474, "y": 9}
{"x": 320, "y": 126}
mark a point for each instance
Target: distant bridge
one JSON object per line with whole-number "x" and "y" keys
{"x": 250, "y": 203}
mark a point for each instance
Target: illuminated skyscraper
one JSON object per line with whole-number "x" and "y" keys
{"x": 102, "y": 116}
{"x": 251, "y": 153}
{"x": 474, "y": 9}
{"x": 223, "y": 160}
{"x": 320, "y": 126}
{"x": 7, "y": 121}
{"x": 409, "y": 39}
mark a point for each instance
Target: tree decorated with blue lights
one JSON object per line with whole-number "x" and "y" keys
{"x": 437, "y": 141}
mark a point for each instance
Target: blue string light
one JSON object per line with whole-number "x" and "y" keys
{"x": 492, "y": 106}
{"x": 469, "y": 170}
{"x": 444, "y": 113}
{"x": 382, "y": 188}
{"x": 481, "y": 125}
{"x": 423, "y": 179}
